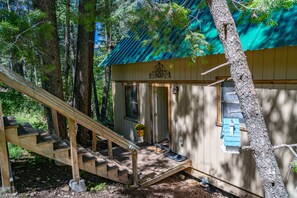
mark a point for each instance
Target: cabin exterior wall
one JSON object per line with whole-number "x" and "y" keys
{"x": 195, "y": 132}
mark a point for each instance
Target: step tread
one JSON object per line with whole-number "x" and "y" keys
{"x": 59, "y": 144}
{"x": 111, "y": 167}
{"x": 9, "y": 121}
{"x": 122, "y": 172}
{"x": 44, "y": 137}
{"x": 88, "y": 157}
{"x": 26, "y": 130}
{"x": 100, "y": 162}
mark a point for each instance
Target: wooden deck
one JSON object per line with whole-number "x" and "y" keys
{"x": 152, "y": 165}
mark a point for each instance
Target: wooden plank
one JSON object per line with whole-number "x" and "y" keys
{"x": 134, "y": 167}
{"x": 20, "y": 84}
{"x": 166, "y": 174}
{"x": 4, "y": 159}
{"x": 94, "y": 141}
{"x": 73, "y": 151}
{"x": 207, "y": 82}
{"x": 55, "y": 122}
{"x": 109, "y": 147}
{"x": 218, "y": 182}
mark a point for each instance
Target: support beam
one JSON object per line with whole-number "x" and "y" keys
{"x": 109, "y": 147}
{"x": 73, "y": 150}
{"x": 219, "y": 81}
{"x": 55, "y": 122}
{"x": 94, "y": 141}
{"x": 134, "y": 167}
{"x": 215, "y": 68}
{"x": 4, "y": 159}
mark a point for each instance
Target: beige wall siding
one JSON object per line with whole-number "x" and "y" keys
{"x": 125, "y": 126}
{"x": 194, "y": 112}
{"x": 278, "y": 63}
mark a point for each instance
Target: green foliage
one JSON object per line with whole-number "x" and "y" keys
{"x": 98, "y": 187}
{"x": 16, "y": 152}
{"x": 294, "y": 165}
{"x": 139, "y": 126}
{"x": 36, "y": 119}
{"x": 258, "y": 11}
{"x": 18, "y": 33}
{"x": 23, "y": 108}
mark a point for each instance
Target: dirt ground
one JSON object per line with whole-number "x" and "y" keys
{"x": 39, "y": 177}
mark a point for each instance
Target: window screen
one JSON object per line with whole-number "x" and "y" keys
{"x": 131, "y": 102}
{"x": 229, "y": 102}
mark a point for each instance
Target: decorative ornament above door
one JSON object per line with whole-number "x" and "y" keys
{"x": 159, "y": 72}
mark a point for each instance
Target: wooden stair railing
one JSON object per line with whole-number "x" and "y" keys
{"x": 74, "y": 116}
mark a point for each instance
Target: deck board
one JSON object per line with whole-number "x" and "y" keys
{"x": 151, "y": 162}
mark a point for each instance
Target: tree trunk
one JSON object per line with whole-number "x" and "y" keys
{"x": 51, "y": 62}
{"x": 67, "y": 50}
{"x": 106, "y": 88}
{"x": 96, "y": 101}
{"x": 257, "y": 131}
{"x": 107, "y": 76}
{"x": 84, "y": 62}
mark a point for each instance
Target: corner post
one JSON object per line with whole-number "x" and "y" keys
{"x": 110, "y": 152}
{"x": 76, "y": 184}
{"x": 55, "y": 121}
{"x": 134, "y": 167}
{"x": 4, "y": 159}
{"x": 94, "y": 141}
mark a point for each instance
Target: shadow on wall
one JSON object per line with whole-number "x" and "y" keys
{"x": 194, "y": 119}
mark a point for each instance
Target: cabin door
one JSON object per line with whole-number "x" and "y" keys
{"x": 160, "y": 113}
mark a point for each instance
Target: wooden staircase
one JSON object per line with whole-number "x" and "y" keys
{"x": 38, "y": 141}
{"x": 68, "y": 152}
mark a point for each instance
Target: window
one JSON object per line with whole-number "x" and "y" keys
{"x": 131, "y": 102}
{"x": 230, "y": 107}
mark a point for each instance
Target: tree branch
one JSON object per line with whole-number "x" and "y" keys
{"x": 17, "y": 36}
{"x": 289, "y": 146}
{"x": 215, "y": 68}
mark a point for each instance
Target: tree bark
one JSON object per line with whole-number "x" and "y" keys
{"x": 67, "y": 48}
{"x": 84, "y": 62}
{"x": 107, "y": 76}
{"x": 257, "y": 131}
{"x": 96, "y": 101}
{"x": 51, "y": 62}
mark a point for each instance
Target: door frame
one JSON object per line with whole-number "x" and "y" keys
{"x": 152, "y": 86}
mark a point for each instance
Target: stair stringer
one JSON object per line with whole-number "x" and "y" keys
{"x": 96, "y": 166}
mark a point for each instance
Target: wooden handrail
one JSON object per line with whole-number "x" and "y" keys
{"x": 18, "y": 83}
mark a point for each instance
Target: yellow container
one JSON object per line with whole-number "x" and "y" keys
{"x": 140, "y": 133}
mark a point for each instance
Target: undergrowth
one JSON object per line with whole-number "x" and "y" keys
{"x": 23, "y": 108}
{"x": 98, "y": 187}
{"x": 16, "y": 152}
{"x": 294, "y": 166}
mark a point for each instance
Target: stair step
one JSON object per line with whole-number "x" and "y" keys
{"x": 88, "y": 157}
{"x": 101, "y": 163}
{"x": 44, "y": 138}
{"x": 9, "y": 121}
{"x": 25, "y": 131}
{"x": 59, "y": 144}
{"x": 27, "y": 125}
{"x": 123, "y": 172}
{"x": 111, "y": 167}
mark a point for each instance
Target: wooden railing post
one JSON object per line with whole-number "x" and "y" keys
{"x": 4, "y": 159}
{"x": 109, "y": 148}
{"x": 94, "y": 141}
{"x": 134, "y": 167}
{"x": 73, "y": 150}
{"x": 55, "y": 122}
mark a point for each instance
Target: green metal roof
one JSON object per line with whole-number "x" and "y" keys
{"x": 252, "y": 36}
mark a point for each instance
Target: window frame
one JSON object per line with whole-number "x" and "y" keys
{"x": 136, "y": 120}
{"x": 220, "y": 107}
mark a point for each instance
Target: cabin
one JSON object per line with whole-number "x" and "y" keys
{"x": 184, "y": 110}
